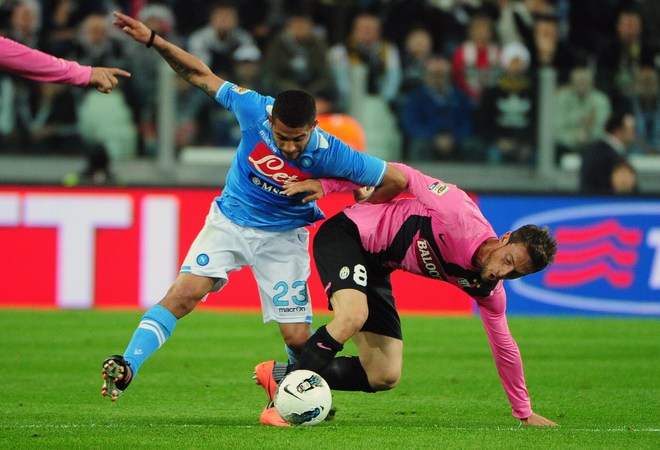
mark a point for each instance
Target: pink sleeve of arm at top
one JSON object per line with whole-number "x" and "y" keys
{"x": 332, "y": 185}
{"x": 30, "y": 63}
{"x": 507, "y": 355}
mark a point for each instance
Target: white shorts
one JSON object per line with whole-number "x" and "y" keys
{"x": 279, "y": 261}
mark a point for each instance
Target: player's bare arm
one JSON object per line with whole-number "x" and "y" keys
{"x": 394, "y": 183}
{"x": 188, "y": 66}
{"x": 538, "y": 421}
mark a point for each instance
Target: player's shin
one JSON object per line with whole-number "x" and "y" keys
{"x": 156, "y": 326}
{"x": 319, "y": 351}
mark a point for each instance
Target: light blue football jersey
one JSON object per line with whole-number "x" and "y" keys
{"x": 252, "y": 193}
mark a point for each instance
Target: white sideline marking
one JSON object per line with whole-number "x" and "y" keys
{"x": 111, "y": 425}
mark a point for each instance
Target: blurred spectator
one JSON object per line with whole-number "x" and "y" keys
{"x": 506, "y": 116}
{"x": 446, "y": 20}
{"x": 296, "y": 58}
{"x": 449, "y": 19}
{"x": 225, "y": 130}
{"x": 367, "y": 70}
{"x": 144, "y": 64}
{"x": 581, "y": 112}
{"x": 624, "y": 179}
{"x": 25, "y": 23}
{"x": 547, "y": 50}
{"x": 105, "y": 122}
{"x": 365, "y": 46}
{"x": 61, "y": 19}
{"x": 600, "y": 158}
{"x": 417, "y": 50}
{"x": 515, "y": 22}
{"x": 19, "y": 97}
{"x": 54, "y": 127}
{"x": 94, "y": 45}
{"x": 248, "y": 69}
{"x": 621, "y": 57}
{"x": 645, "y": 106}
{"x": 436, "y": 117}
{"x": 201, "y": 123}
{"x": 216, "y": 42}
{"x": 476, "y": 61}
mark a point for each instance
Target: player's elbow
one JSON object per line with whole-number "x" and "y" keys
{"x": 393, "y": 184}
{"x": 395, "y": 180}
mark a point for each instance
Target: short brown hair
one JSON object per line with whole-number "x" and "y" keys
{"x": 541, "y": 245}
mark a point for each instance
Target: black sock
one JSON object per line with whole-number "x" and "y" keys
{"x": 346, "y": 374}
{"x": 318, "y": 351}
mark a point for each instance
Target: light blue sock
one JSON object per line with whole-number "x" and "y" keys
{"x": 156, "y": 326}
{"x": 293, "y": 356}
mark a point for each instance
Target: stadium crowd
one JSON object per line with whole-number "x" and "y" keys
{"x": 450, "y": 80}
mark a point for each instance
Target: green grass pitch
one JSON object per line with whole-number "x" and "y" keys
{"x": 598, "y": 378}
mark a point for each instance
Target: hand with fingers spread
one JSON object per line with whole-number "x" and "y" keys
{"x": 104, "y": 79}
{"x": 313, "y": 186}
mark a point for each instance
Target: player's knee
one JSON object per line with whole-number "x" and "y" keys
{"x": 181, "y": 300}
{"x": 353, "y": 324}
{"x": 385, "y": 380}
{"x": 346, "y": 324}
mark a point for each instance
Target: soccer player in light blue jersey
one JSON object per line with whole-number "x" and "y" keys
{"x": 252, "y": 223}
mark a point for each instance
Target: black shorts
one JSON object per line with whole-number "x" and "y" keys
{"x": 342, "y": 263}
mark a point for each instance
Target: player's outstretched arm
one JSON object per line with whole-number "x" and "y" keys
{"x": 104, "y": 79}
{"x": 538, "y": 421}
{"x": 188, "y": 66}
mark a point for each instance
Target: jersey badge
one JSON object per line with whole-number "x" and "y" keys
{"x": 438, "y": 188}
{"x": 306, "y": 162}
{"x": 463, "y": 282}
{"x": 203, "y": 259}
{"x": 239, "y": 90}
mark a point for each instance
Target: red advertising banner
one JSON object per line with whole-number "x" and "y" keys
{"x": 122, "y": 248}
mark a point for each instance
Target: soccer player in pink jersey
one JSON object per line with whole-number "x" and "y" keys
{"x": 27, "y": 62}
{"x": 439, "y": 233}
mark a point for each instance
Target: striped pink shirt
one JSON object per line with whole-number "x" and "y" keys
{"x": 436, "y": 234}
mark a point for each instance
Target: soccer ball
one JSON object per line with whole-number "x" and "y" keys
{"x": 303, "y": 398}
